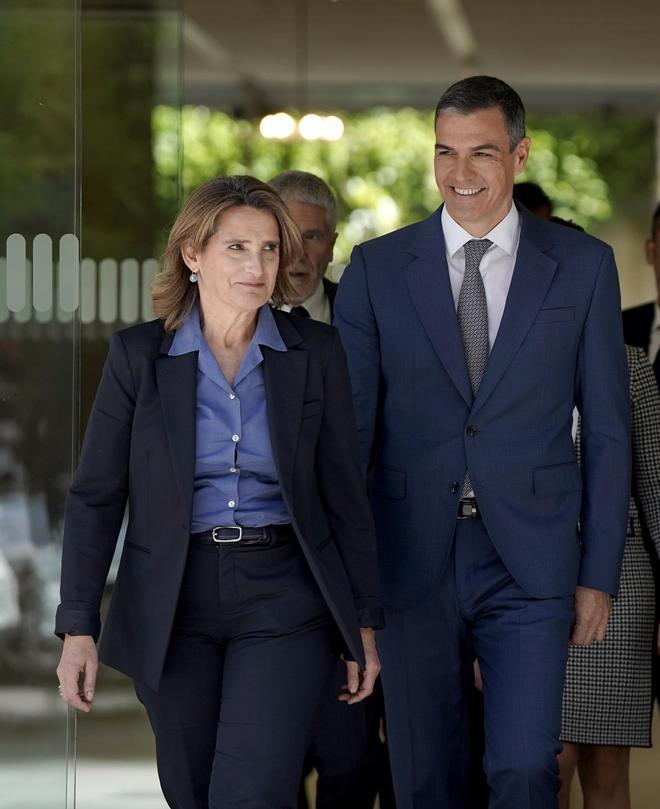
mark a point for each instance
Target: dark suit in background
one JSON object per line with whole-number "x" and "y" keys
{"x": 637, "y": 328}
{"x": 330, "y": 291}
{"x": 347, "y": 751}
{"x": 637, "y": 323}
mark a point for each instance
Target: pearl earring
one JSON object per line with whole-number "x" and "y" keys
{"x": 193, "y": 277}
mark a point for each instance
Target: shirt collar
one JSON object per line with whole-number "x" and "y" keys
{"x": 316, "y": 298}
{"x": 267, "y": 333}
{"x": 505, "y": 234}
{"x": 313, "y": 303}
{"x": 656, "y": 317}
{"x": 189, "y": 337}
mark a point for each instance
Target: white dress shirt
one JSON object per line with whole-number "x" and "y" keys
{"x": 317, "y": 305}
{"x": 496, "y": 266}
{"x": 654, "y": 337}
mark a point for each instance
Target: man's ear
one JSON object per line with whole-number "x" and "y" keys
{"x": 522, "y": 154}
{"x": 189, "y": 256}
{"x": 650, "y": 251}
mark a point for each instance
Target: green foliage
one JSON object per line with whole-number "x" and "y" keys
{"x": 622, "y": 147}
{"x": 382, "y": 169}
{"x": 569, "y": 177}
{"x": 37, "y": 134}
{"x": 379, "y": 185}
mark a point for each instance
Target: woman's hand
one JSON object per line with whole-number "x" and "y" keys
{"x": 79, "y": 662}
{"x": 478, "y": 682}
{"x": 361, "y": 684}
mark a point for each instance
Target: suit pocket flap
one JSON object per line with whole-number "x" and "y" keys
{"x": 555, "y": 315}
{"x": 311, "y": 408}
{"x": 388, "y": 482}
{"x": 558, "y": 479}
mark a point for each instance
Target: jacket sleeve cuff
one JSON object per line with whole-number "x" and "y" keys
{"x": 607, "y": 584}
{"x": 370, "y": 613}
{"x": 76, "y": 620}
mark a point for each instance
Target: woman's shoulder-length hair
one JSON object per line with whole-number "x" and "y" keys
{"x": 172, "y": 294}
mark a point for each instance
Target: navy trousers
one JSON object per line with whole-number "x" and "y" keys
{"x": 251, "y": 652}
{"x": 426, "y": 653}
{"x": 347, "y": 751}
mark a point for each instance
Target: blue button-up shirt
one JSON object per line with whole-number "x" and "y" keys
{"x": 235, "y": 478}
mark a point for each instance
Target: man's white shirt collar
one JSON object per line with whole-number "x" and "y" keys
{"x": 656, "y": 318}
{"x": 317, "y": 305}
{"x": 315, "y": 301}
{"x": 505, "y": 234}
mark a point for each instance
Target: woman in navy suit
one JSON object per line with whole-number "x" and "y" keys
{"x": 249, "y": 560}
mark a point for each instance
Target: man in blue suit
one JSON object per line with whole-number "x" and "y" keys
{"x": 470, "y": 337}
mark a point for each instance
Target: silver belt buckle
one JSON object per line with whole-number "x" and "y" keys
{"x": 219, "y": 540}
{"x": 473, "y": 509}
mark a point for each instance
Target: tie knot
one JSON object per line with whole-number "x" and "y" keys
{"x": 475, "y": 249}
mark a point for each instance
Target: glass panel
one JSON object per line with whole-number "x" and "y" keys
{"x": 39, "y": 218}
{"x": 130, "y": 66}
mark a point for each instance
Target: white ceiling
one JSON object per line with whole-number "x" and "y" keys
{"x": 560, "y": 54}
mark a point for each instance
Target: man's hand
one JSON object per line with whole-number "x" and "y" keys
{"x": 77, "y": 671}
{"x": 592, "y": 610}
{"x": 357, "y": 687}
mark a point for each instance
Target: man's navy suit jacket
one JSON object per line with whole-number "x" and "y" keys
{"x": 560, "y": 343}
{"x": 140, "y": 446}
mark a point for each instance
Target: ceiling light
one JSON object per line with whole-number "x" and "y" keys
{"x": 333, "y": 128}
{"x": 453, "y": 22}
{"x": 279, "y": 126}
{"x": 311, "y": 126}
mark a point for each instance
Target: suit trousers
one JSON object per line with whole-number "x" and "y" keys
{"x": 348, "y": 753}
{"x": 251, "y": 651}
{"x": 427, "y": 652}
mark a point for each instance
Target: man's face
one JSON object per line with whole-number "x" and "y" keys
{"x": 318, "y": 241}
{"x": 653, "y": 256}
{"x": 475, "y": 167}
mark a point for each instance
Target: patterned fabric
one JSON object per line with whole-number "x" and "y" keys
{"x": 608, "y": 695}
{"x": 472, "y": 312}
{"x": 472, "y": 315}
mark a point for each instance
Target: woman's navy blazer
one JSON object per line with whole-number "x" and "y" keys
{"x": 140, "y": 445}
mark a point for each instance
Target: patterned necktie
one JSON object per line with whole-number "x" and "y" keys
{"x": 472, "y": 312}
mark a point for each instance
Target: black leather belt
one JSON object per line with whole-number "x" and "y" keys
{"x": 238, "y": 536}
{"x": 468, "y": 509}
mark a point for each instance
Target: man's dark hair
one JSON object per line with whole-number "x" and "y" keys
{"x": 569, "y": 223}
{"x": 484, "y": 92}
{"x": 532, "y": 196}
{"x": 655, "y": 222}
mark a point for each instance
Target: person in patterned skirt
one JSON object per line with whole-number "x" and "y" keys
{"x": 608, "y": 694}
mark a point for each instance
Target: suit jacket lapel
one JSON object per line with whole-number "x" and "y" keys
{"x": 532, "y": 276}
{"x": 176, "y": 378}
{"x": 428, "y": 281}
{"x": 285, "y": 379}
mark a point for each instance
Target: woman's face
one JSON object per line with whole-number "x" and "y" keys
{"x": 238, "y": 265}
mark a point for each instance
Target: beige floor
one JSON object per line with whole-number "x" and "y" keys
{"x": 116, "y": 758}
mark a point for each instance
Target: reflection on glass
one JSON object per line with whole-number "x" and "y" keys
{"x": 37, "y": 392}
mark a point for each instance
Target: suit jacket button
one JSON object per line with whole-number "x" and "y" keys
{"x": 454, "y": 487}
{"x": 471, "y": 431}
